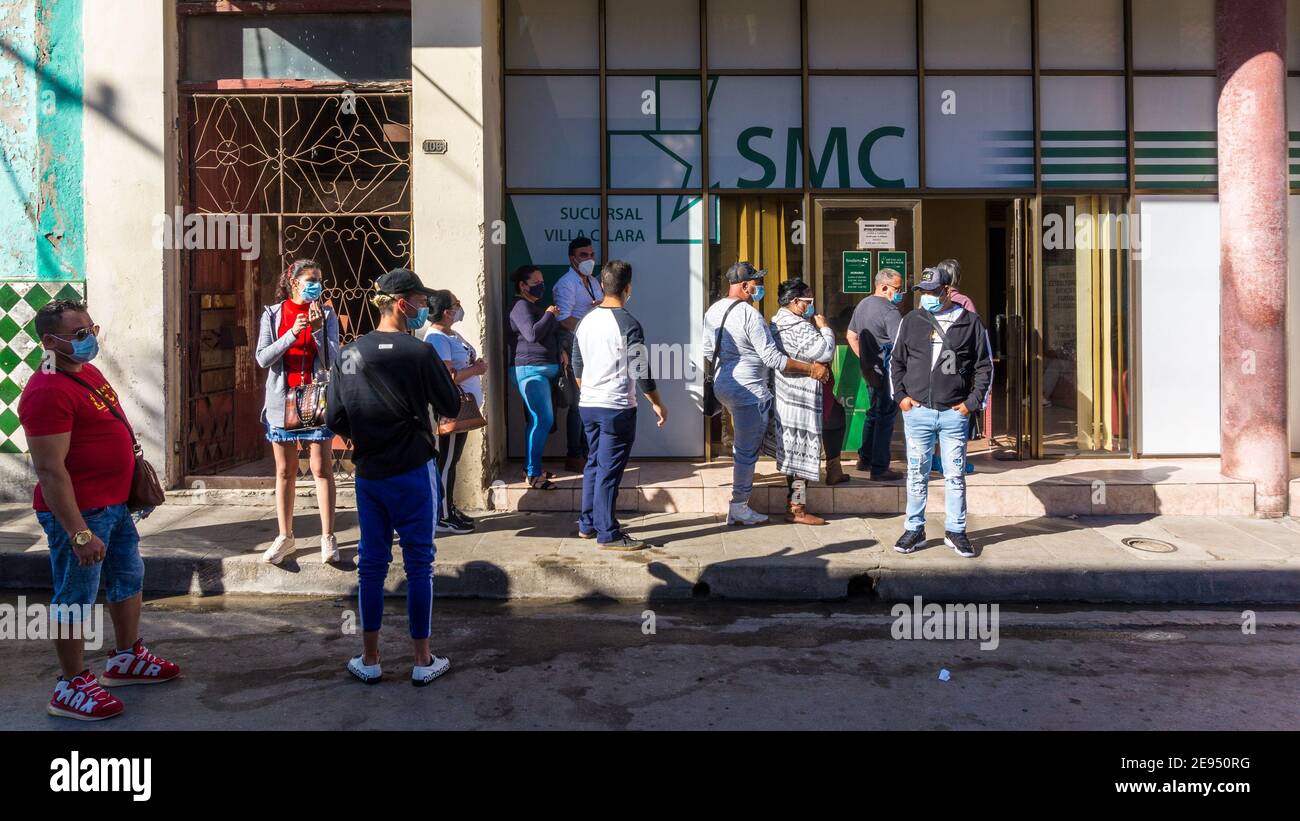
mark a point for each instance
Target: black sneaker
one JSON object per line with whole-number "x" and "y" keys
{"x": 911, "y": 541}
{"x": 624, "y": 542}
{"x": 458, "y": 516}
{"x": 959, "y": 542}
{"x": 452, "y": 526}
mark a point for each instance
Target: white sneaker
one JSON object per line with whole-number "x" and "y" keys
{"x": 421, "y": 676}
{"x": 740, "y": 513}
{"x": 369, "y": 673}
{"x": 329, "y": 549}
{"x": 281, "y": 547}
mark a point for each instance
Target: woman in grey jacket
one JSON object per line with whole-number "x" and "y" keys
{"x": 296, "y": 343}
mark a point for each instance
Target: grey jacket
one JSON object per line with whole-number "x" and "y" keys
{"x": 271, "y": 351}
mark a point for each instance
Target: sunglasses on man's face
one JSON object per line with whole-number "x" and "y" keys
{"x": 80, "y": 334}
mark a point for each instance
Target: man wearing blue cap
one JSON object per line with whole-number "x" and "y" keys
{"x": 940, "y": 371}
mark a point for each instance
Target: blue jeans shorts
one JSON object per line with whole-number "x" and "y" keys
{"x": 122, "y": 567}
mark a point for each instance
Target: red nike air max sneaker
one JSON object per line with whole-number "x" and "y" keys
{"x": 137, "y": 666}
{"x": 83, "y": 699}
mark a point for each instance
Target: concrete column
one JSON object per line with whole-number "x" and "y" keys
{"x": 456, "y": 196}
{"x": 1251, "y": 66}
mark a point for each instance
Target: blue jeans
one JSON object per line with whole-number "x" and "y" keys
{"x": 575, "y": 441}
{"x": 406, "y": 503}
{"x": 610, "y": 434}
{"x": 923, "y": 426}
{"x": 122, "y": 566}
{"x": 749, "y": 424}
{"x": 534, "y": 383}
{"x": 878, "y": 429}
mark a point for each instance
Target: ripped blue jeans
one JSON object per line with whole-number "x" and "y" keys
{"x": 922, "y": 426}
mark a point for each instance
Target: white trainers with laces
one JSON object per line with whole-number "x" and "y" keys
{"x": 279, "y": 549}
{"x": 329, "y": 549}
{"x": 369, "y": 673}
{"x": 422, "y": 675}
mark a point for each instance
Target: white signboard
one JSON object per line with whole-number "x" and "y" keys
{"x": 876, "y": 234}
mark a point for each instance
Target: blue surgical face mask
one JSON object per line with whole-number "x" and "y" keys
{"x": 931, "y": 303}
{"x": 808, "y": 312}
{"x": 758, "y": 294}
{"x": 83, "y": 350}
{"x": 897, "y": 297}
{"x": 416, "y": 322}
{"x": 311, "y": 291}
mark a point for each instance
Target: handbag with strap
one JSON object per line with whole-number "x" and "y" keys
{"x": 146, "y": 490}
{"x": 709, "y": 401}
{"x": 304, "y": 405}
{"x": 469, "y": 418}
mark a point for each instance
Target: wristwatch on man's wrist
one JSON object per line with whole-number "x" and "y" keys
{"x": 82, "y": 537}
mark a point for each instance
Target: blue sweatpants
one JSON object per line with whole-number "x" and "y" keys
{"x": 406, "y": 503}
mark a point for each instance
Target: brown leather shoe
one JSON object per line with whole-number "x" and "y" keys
{"x": 835, "y": 472}
{"x": 575, "y": 463}
{"x": 799, "y": 515}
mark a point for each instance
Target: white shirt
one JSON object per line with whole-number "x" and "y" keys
{"x": 576, "y": 294}
{"x": 945, "y": 319}
{"x": 453, "y": 348}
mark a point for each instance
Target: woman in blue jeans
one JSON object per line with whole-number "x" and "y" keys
{"x": 535, "y": 352}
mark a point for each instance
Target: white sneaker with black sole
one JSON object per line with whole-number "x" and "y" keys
{"x": 423, "y": 674}
{"x": 369, "y": 673}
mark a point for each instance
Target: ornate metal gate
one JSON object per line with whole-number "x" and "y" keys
{"x": 327, "y": 176}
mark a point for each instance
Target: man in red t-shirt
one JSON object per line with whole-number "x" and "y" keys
{"x": 83, "y": 453}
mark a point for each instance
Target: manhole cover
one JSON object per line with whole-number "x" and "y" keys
{"x": 1148, "y": 545}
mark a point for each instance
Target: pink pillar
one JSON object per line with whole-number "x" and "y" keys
{"x": 1251, "y": 66}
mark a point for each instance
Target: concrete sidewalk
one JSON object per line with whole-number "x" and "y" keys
{"x": 208, "y": 550}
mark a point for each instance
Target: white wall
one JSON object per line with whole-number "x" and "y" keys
{"x": 1178, "y": 326}
{"x": 127, "y": 133}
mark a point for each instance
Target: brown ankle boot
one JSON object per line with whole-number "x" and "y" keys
{"x": 799, "y": 515}
{"x": 835, "y": 473}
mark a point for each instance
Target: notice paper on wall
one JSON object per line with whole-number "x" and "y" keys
{"x": 873, "y": 234}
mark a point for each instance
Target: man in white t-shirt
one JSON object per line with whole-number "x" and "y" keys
{"x": 575, "y": 294}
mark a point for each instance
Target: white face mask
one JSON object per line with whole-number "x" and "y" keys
{"x": 458, "y": 315}
{"x": 586, "y": 267}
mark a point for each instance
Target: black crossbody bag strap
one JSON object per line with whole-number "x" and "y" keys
{"x": 935, "y": 324}
{"x": 396, "y": 405}
{"x": 717, "y": 341}
{"x": 135, "y": 443}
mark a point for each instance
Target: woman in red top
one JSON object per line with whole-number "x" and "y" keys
{"x": 297, "y": 343}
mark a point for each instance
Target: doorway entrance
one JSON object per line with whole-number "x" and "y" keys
{"x": 990, "y": 239}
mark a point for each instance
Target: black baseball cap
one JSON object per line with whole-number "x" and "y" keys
{"x": 932, "y": 279}
{"x": 401, "y": 281}
{"x": 743, "y": 272}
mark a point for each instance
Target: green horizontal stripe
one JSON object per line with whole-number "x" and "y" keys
{"x": 1084, "y": 135}
{"x": 1295, "y": 169}
{"x": 1099, "y": 151}
{"x": 1178, "y": 152}
{"x": 1084, "y": 184}
{"x": 1085, "y": 168}
{"x": 1176, "y": 136}
{"x": 1173, "y": 184}
{"x": 1177, "y": 169}
{"x": 1293, "y": 152}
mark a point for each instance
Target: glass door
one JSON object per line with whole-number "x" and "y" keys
{"x": 855, "y": 238}
{"x": 1010, "y": 411}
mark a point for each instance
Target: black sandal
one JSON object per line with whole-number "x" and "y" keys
{"x": 540, "y": 483}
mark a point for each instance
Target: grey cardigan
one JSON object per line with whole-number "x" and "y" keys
{"x": 271, "y": 351}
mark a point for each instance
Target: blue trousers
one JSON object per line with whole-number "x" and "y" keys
{"x": 878, "y": 429}
{"x": 748, "y": 424}
{"x": 922, "y": 427}
{"x": 534, "y": 383}
{"x": 406, "y": 503}
{"x": 610, "y": 434}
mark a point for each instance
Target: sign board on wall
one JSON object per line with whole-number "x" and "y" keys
{"x": 876, "y": 233}
{"x": 857, "y": 272}
{"x": 893, "y": 259}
